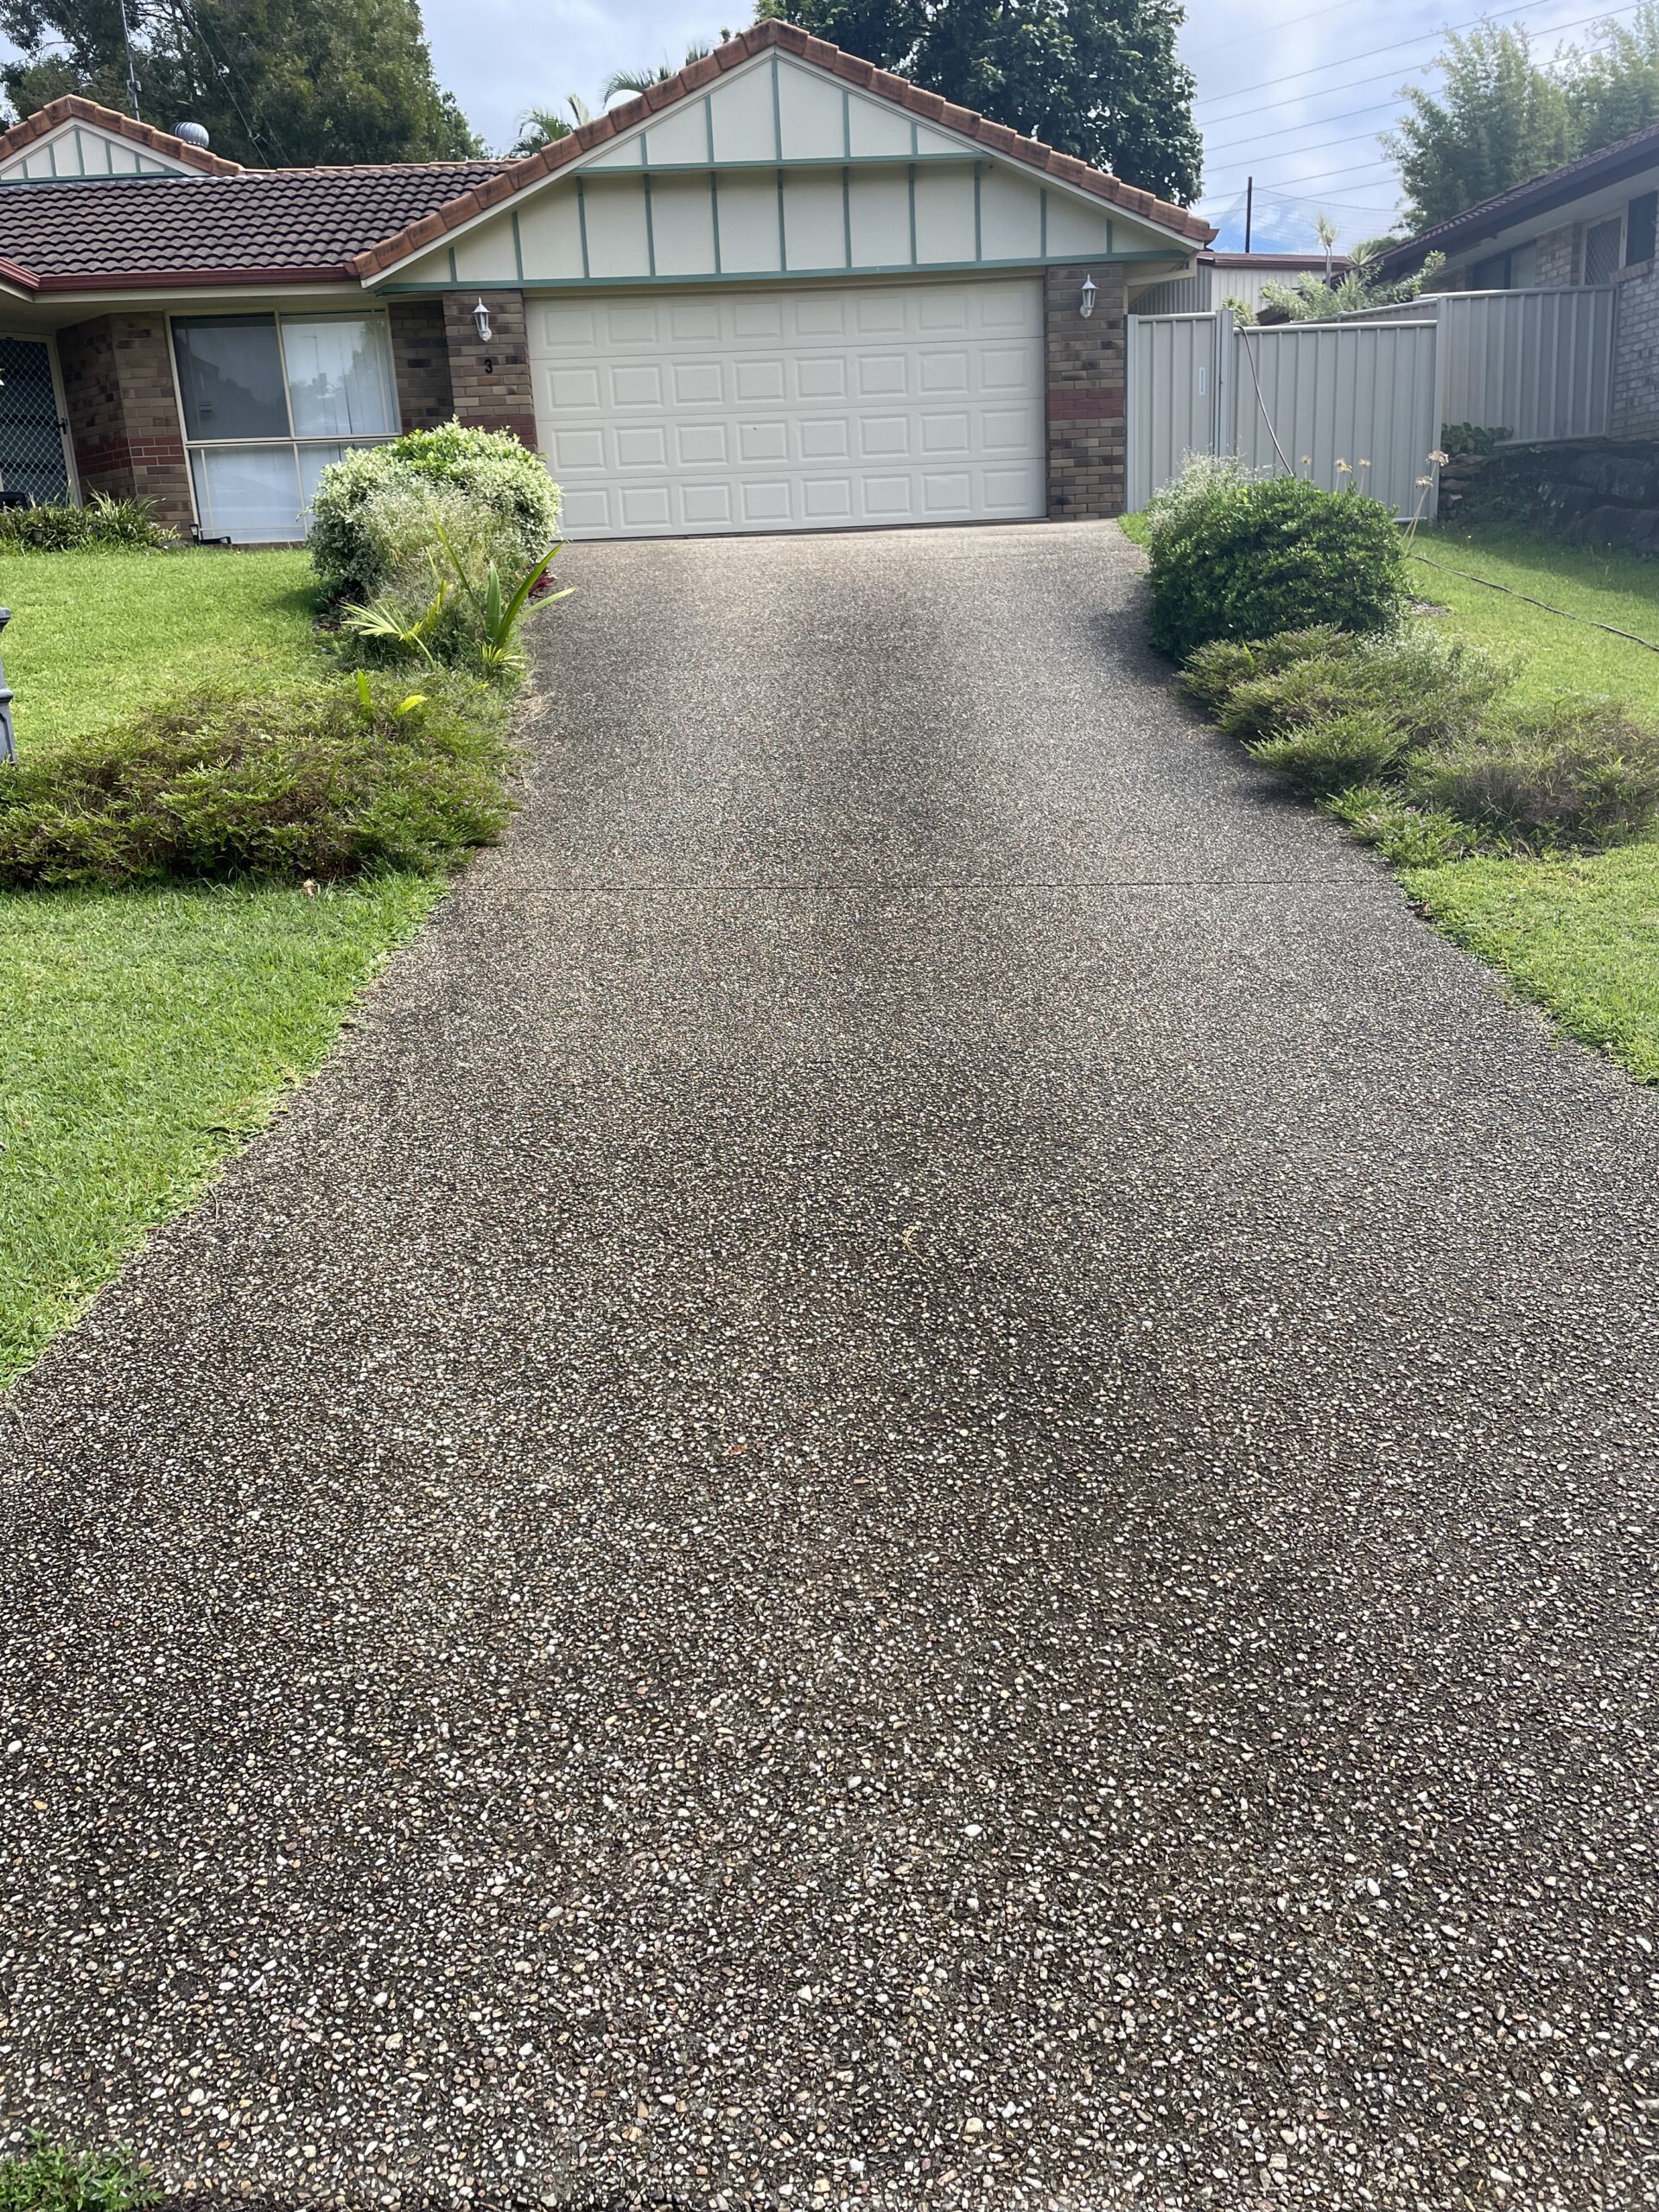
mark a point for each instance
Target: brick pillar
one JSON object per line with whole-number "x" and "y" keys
{"x": 1085, "y": 377}
{"x": 490, "y": 377}
{"x": 1636, "y": 353}
{"x": 124, "y": 416}
{"x": 420, "y": 362}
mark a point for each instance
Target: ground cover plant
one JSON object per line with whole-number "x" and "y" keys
{"x": 62, "y": 527}
{"x": 56, "y": 2177}
{"x": 145, "y": 1031}
{"x": 1506, "y": 759}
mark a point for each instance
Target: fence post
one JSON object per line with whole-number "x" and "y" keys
{"x": 8, "y": 743}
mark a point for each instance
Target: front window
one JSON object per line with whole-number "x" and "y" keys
{"x": 268, "y": 402}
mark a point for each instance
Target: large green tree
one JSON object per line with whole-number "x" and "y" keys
{"x": 277, "y": 83}
{"x": 1099, "y": 78}
{"x": 1498, "y": 119}
{"x": 1502, "y": 117}
{"x": 1612, "y": 89}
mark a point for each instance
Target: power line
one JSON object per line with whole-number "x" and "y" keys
{"x": 1289, "y": 24}
{"x": 1290, "y": 154}
{"x": 1289, "y": 129}
{"x": 1468, "y": 21}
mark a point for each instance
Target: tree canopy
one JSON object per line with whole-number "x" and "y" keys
{"x": 277, "y": 83}
{"x": 1099, "y": 78}
{"x": 1500, "y": 116}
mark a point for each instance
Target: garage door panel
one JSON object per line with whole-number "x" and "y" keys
{"x": 774, "y": 409}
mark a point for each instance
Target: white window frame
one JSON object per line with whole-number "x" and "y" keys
{"x": 293, "y": 441}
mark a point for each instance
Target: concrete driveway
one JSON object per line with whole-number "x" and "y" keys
{"x": 927, "y": 1479}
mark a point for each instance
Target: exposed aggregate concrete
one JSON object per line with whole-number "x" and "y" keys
{"x": 927, "y": 1480}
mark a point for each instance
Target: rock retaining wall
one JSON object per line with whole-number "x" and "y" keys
{"x": 1592, "y": 491}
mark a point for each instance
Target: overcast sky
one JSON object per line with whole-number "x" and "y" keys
{"x": 1298, "y": 102}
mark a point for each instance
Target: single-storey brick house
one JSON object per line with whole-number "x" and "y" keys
{"x": 1591, "y": 221}
{"x": 783, "y": 290}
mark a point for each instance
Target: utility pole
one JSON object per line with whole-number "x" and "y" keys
{"x": 1250, "y": 208}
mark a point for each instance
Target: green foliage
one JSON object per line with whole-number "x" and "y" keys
{"x": 1501, "y": 116}
{"x": 545, "y": 126}
{"x": 1580, "y": 772}
{"x": 1498, "y": 119}
{"x": 278, "y": 83}
{"x": 323, "y": 783}
{"x": 1215, "y": 672}
{"x": 1308, "y": 298}
{"x": 1099, "y": 78}
{"x": 54, "y": 2177}
{"x": 371, "y": 529}
{"x": 1424, "y": 688}
{"x": 1245, "y": 560}
{"x": 1406, "y": 836}
{"x": 1336, "y": 751}
{"x": 64, "y": 528}
{"x": 1612, "y": 89}
{"x": 1460, "y": 440}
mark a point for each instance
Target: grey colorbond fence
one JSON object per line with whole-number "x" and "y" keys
{"x": 1374, "y": 387}
{"x": 1296, "y": 397}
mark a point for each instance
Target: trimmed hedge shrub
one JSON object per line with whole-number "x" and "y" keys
{"x": 64, "y": 528}
{"x": 370, "y": 529}
{"x": 1243, "y": 560}
{"x": 323, "y": 783}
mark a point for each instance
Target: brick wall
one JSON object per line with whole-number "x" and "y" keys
{"x": 1636, "y": 353}
{"x": 490, "y": 379}
{"x": 420, "y": 359}
{"x": 123, "y": 417}
{"x": 1085, "y": 377}
{"x": 1558, "y": 256}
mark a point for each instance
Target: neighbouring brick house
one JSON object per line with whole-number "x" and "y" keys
{"x": 782, "y": 290}
{"x": 1593, "y": 222}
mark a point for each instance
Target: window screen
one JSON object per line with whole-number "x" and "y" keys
{"x": 1601, "y": 245}
{"x": 1639, "y": 226}
{"x": 231, "y": 377}
{"x": 1491, "y": 275}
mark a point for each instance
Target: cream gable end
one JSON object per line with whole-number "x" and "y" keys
{"x": 79, "y": 150}
{"x": 781, "y": 169}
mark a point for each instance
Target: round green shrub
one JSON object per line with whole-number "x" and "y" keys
{"x": 1248, "y": 559}
{"x": 366, "y": 519}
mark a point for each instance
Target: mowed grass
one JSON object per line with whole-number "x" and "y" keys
{"x": 144, "y": 1034}
{"x": 1579, "y": 938}
{"x": 96, "y": 637}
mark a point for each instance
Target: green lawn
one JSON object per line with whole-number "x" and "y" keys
{"x": 94, "y": 636}
{"x": 1580, "y": 939}
{"x": 144, "y": 1033}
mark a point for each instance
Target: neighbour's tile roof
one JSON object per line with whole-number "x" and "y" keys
{"x": 1551, "y": 189}
{"x": 264, "y": 224}
{"x": 930, "y": 107}
{"x": 71, "y": 108}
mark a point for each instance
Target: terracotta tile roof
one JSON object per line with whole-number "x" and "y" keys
{"x": 269, "y": 225}
{"x": 72, "y": 109}
{"x": 512, "y": 177}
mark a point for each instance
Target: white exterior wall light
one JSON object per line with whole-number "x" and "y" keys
{"x": 481, "y": 323}
{"x": 1086, "y": 307}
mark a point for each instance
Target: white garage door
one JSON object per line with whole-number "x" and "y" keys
{"x": 794, "y": 409}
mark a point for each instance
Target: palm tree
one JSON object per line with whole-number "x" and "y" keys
{"x": 632, "y": 82}
{"x": 541, "y": 126}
